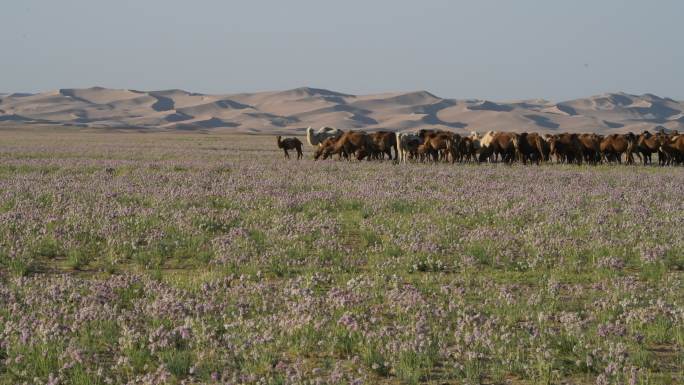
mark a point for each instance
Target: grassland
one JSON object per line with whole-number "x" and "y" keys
{"x": 187, "y": 258}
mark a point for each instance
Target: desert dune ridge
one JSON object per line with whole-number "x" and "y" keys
{"x": 291, "y": 111}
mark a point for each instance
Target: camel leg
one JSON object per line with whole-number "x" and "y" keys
{"x": 286, "y": 154}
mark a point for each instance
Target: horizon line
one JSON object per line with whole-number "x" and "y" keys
{"x": 332, "y": 91}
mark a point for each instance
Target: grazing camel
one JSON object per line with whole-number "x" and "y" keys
{"x": 316, "y": 138}
{"x": 348, "y": 144}
{"x": 325, "y": 148}
{"x": 290, "y": 144}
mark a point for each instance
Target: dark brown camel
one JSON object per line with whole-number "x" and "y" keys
{"x": 290, "y": 144}
{"x": 410, "y": 147}
{"x": 467, "y": 150}
{"x": 384, "y": 143}
{"x": 566, "y": 147}
{"x": 529, "y": 147}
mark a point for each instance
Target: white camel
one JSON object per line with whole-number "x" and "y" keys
{"x": 485, "y": 143}
{"x": 475, "y": 138}
{"x": 316, "y": 138}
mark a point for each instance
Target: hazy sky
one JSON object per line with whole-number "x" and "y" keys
{"x": 485, "y": 49}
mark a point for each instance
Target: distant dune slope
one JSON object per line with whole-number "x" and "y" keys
{"x": 293, "y": 110}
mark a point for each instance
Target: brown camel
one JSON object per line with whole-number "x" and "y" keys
{"x": 529, "y": 147}
{"x": 566, "y": 148}
{"x": 425, "y": 152}
{"x": 648, "y": 144}
{"x": 591, "y": 147}
{"x": 439, "y": 145}
{"x": 384, "y": 142}
{"x": 673, "y": 149}
{"x": 614, "y": 145}
{"x": 503, "y": 144}
{"x": 467, "y": 150}
{"x": 325, "y": 147}
{"x": 346, "y": 145}
{"x": 371, "y": 151}
{"x": 290, "y": 144}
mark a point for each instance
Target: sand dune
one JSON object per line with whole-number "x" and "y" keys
{"x": 294, "y": 110}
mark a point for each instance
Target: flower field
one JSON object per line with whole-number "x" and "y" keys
{"x": 130, "y": 258}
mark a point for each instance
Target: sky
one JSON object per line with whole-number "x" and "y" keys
{"x": 499, "y": 50}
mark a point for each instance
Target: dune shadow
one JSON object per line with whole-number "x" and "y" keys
{"x": 19, "y": 95}
{"x": 657, "y": 111}
{"x": 431, "y": 110}
{"x": 613, "y": 124}
{"x": 71, "y": 93}
{"x": 14, "y": 118}
{"x": 276, "y": 120}
{"x": 163, "y": 103}
{"x": 204, "y": 124}
{"x": 363, "y": 119}
{"x": 620, "y": 100}
{"x": 177, "y": 117}
{"x": 227, "y": 103}
{"x": 567, "y": 109}
{"x": 542, "y": 121}
{"x": 490, "y": 106}
{"x": 334, "y": 99}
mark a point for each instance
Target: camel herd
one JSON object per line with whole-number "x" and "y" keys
{"x": 507, "y": 147}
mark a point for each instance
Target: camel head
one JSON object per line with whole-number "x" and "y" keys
{"x": 318, "y": 152}
{"x": 551, "y": 140}
{"x": 517, "y": 140}
{"x": 630, "y": 137}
